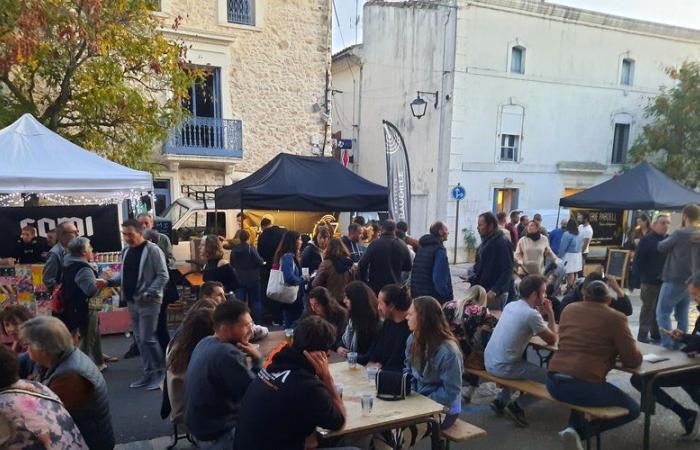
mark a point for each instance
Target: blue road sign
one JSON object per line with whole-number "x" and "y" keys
{"x": 344, "y": 143}
{"x": 458, "y": 192}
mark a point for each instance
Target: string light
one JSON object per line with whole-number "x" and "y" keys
{"x": 106, "y": 198}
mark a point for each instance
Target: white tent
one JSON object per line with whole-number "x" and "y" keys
{"x": 34, "y": 159}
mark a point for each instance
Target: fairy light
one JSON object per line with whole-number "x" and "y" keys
{"x": 107, "y": 198}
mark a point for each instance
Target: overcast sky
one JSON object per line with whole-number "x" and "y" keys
{"x": 685, "y": 13}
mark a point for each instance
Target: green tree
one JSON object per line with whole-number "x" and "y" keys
{"x": 672, "y": 139}
{"x": 96, "y": 71}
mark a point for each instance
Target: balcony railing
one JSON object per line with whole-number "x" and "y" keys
{"x": 206, "y": 136}
{"x": 240, "y": 11}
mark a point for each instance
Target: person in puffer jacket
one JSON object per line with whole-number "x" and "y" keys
{"x": 431, "y": 271}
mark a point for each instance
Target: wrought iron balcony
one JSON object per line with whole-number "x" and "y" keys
{"x": 240, "y": 11}
{"x": 206, "y": 136}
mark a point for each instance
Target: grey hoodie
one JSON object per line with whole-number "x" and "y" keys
{"x": 85, "y": 278}
{"x": 682, "y": 248}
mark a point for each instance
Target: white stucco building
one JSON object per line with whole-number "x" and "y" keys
{"x": 534, "y": 100}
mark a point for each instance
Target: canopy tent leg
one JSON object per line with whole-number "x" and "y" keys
{"x": 558, "y": 213}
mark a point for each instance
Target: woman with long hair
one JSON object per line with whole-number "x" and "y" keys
{"x": 532, "y": 249}
{"x": 364, "y": 323}
{"x": 286, "y": 260}
{"x": 197, "y": 325}
{"x": 322, "y": 303}
{"x": 336, "y": 270}
{"x": 570, "y": 252}
{"x": 246, "y": 263}
{"x": 216, "y": 268}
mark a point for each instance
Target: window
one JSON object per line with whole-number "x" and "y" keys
{"x": 204, "y": 98}
{"x": 627, "y": 73}
{"x": 620, "y": 143}
{"x": 240, "y": 11}
{"x": 509, "y": 147}
{"x": 517, "y": 60}
{"x": 505, "y": 200}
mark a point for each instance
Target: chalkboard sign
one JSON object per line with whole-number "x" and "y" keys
{"x": 617, "y": 264}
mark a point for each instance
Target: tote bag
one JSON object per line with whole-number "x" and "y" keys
{"x": 279, "y": 291}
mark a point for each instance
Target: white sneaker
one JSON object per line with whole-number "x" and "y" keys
{"x": 467, "y": 392}
{"x": 570, "y": 439}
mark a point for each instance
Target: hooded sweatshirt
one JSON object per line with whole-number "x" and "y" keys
{"x": 334, "y": 274}
{"x": 682, "y": 249}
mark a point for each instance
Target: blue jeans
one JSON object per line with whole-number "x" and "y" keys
{"x": 585, "y": 393}
{"x": 250, "y": 291}
{"x": 673, "y": 298}
{"x": 291, "y": 312}
{"x": 144, "y": 321}
{"x": 224, "y": 442}
{"x": 521, "y": 370}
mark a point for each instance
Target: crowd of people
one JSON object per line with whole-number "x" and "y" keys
{"x": 385, "y": 298}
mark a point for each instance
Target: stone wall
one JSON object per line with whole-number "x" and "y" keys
{"x": 277, "y": 72}
{"x": 199, "y": 177}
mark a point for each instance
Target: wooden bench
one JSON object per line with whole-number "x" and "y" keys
{"x": 461, "y": 431}
{"x": 540, "y": 390}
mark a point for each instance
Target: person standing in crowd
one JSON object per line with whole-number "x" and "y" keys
{"x": 198, "y": 324}
{"x": 51, "y": 238}
{"x": 218, "y": 375}
{"x": 364, "y": 323}
{"x": 637, "y": 232}
{"x": 431, "y": 270}
{"x": 287, "y": 261}
{"x": 146, "y": 221}
{"x": 352, "y": 242}
{"x": 387, "y": 350}
{"x": 621, "y": 302}
{"x": 512, "y": 227}
{"x": 522, "y": 224}
{"x": 537, "y": 218}
{"x": 532, "y": 249}
{"x": 31, "y": 415}
{"x": 520, "y": 321}
{"x": 570, "y": 251}
{"x": 29, "y": 248}
{"x": 294, "y": 396}
{"x": 216, "y": 268}
{"x": 493, "y": 269}
{"x": 411, "y": 242}
{"x": 312, "y": 255}
{"x": 336, "y": 270}
{"x": 73, "y": 377}
{"x": 503, "y": 225}
{"x": 268, "y": 241}
{"x": 246, "y": 264}
{"x": 585, "y": 231}
{"x": 65, "y": 231}
{"x": 403, "y": 237}
{"x": 323, "y": 304}
{"x": 556, "y": 235}
{"x": 682, "y": 250}
{"x": 649, "y": 263}
{"x": 689, "y": 381}
{"x": 591, "y": 337}
{"x": 143, "y": 276}
{"x": 385, "y": 259}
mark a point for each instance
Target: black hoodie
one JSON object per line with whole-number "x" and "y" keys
{"x": 284, "y": 405}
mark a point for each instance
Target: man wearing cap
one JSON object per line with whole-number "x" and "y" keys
{"x": 592, "y": 336}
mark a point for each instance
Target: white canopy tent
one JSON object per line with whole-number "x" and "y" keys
{"x": 35, "y": 160}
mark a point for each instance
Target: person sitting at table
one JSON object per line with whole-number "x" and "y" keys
{"x": 295, "y": 395}
{"x": 11, "y": 317}
{"x": 387, "y": 351}
{"x": 591, "y": 336}
{"x": 213, "y": 291}
{"x": 217, "y": 377}
{"x": 197, "y": 325}
{"x": 216, "y": 268}
{"x": 621, "y": 302}
{"x": 503, "y": 357}
{"x": 322, "y": 304}
{"x": 364, "y": 323}
{"x": 689, "y": 381}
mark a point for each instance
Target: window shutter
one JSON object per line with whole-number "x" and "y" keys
{"x": 512, "y": 120}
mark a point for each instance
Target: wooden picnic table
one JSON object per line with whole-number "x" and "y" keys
{"x": 386, "y": 415}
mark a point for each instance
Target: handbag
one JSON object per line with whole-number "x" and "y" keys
{"x": 278, "y": 290}
{"x": 393, "y": 385}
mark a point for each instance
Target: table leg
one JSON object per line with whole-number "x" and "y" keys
{"x": 434, "y": 426}
{"x": 647, "y": 405}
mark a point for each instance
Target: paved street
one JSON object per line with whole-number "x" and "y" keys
{"x": 138, "y": 425}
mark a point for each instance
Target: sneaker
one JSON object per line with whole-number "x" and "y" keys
{"x": 145, "y": 380}
{"x": 467, "y": 393}
{"x": 156, "y": 382}
{"x": 133, "y": 352}
{"x": 516, "y": 414}
{"x": 570, "y": 439}
{"x": 497, "y": 407}
{"x": 691, "y": 425}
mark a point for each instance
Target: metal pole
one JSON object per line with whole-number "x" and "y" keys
{"x": 557, "y": 224}
{"x": 454, "y": 260}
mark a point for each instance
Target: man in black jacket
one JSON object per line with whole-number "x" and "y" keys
{"x": 385, "y": 259}
{"x": 493, "y": 269}
{"x": 649, "y": 263}
{"x": 689, "y": 381}
{"x": 267, "y": 245}
{"x": 431, "y": 270}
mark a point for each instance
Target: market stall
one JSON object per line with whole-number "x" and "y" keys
{"x": 45, "y": 180}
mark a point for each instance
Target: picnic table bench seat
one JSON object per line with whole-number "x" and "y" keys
{"x": 462, "y": 431}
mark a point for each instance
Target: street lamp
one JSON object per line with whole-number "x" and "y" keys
{"x": 418, "y": 106}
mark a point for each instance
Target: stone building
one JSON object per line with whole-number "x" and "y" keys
{"x": 267, "y": 67}
{"x": 526, "y": 101}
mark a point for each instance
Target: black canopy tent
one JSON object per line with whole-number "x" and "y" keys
{"x": 643, "y": 187}
{"x": 303, "y": 183}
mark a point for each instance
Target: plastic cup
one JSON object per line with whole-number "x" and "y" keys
{"x": 367, "y": 402}
{"x": 339, "y": 389}
{"x": 372, "y": 375}
{"x": 305, "y": 272}
{"x": 289, "y": 335}
{"x": 352, "y": 360}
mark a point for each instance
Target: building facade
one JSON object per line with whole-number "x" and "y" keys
{"x": 527, "y": 101}
{"x": 267, "y": 69}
